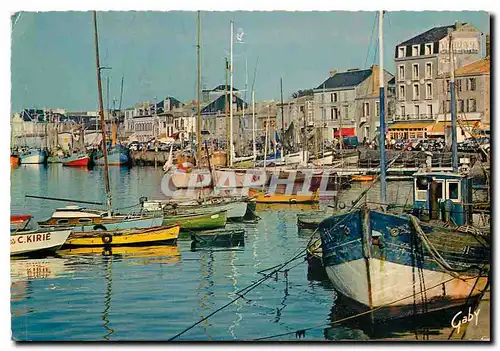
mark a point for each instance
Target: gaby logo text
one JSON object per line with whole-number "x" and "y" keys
{"x": 457, "y": 320}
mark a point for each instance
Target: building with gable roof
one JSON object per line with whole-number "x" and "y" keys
{"x": 346, "y": 103}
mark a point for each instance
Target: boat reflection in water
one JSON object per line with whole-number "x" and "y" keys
{"x": 154, "y": 254}
{"x": 429, "y": 326}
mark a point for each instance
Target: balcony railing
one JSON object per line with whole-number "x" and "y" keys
{"x": 413, "y": 117}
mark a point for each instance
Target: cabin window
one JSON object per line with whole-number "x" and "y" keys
{"x": 453, "y": 191}
{"x": 420, "y": 191}
{"x": 84, "y": 220}
{"x": 62, "y": 221}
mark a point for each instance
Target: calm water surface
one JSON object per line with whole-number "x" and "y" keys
{"x": 154, "y": 293}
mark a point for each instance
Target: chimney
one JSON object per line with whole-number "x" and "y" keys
{"x": 332, "y": 72}
{"x": 375, "y": 79}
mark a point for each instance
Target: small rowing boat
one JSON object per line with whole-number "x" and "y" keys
{"x": 126, "y": 237}
{"x": 76, "y": 160}
{"x": 218, "y": 238}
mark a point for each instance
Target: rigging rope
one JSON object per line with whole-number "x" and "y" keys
{"x": 302, "y": 331}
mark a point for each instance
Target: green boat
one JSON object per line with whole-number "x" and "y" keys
{"x": 202, "y": 221}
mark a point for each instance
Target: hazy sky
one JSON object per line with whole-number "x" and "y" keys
{"x": 53, "y": 62}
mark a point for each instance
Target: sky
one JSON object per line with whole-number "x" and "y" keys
{"x": 53, "y": 57}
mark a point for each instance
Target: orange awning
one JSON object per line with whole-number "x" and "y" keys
{"x": 409, "y": 125}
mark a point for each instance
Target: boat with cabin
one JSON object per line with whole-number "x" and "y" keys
{"x": 83, "y": 219}
{"x": 33, "y": 156}
{"x": 393, "y": 264}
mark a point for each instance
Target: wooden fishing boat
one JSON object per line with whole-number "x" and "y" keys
{"x": 363, "y": 177}
{"x": 118, "y": 155}
{"x": 212, "y": 220}
{"x": 126, "y": 237}
{"x": 76, "y": 160}
{"x": 263, "y": 197}
{"x": 33, "y": 157}
{"x": 386, "y": 252}
{"x": 82, "y": 219}
{"x": 218, "y": 238}
{"x": 37, "y": 242}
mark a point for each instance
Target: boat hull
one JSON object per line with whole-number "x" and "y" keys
{"x": 276, "y": 198}
{"x": 37, "y": 242}
{"x": 116, "y": 157}
{"x": 235, "y": 210}
{"x": 377, "y": 260}
{"x": 218, "y": 238}
{"x": 76, "y": 161}
{"x": 37, "y": 157}
{"x": 198, "y": 222}
{"x": 131, "y": 237}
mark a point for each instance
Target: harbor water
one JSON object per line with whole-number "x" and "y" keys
{"x": 151, "y": 294}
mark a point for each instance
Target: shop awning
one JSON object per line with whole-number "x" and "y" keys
{"x": 439, "y": 127}
{"x": 345, "y": 132}
{"x": 406, "y": 125}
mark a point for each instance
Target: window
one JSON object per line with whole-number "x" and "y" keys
{"x": 458, "y": 84}
{"x": 460, "y": 105}
{"x": 428, "y": 91}
{"x": 301, "y": 109}
{"x": 414, "y": 50}
{"x": 377, "y": 108}
{"x": 453, "y": 191}
{"x": 401, "y": 73}
{"x": 62, "y": 221}
{"x": 471, "y": 105}
{"x": 401, "y": 51}
{"x": 447, "y": 106}
{"x": 346, "y": 112}
{"x": 447, "y": 86}
{"x": 428, "y": 49}
{"x": 332, "y": 113}
{"x": 366, "y": 109}
{"x": 429, "y": 110}
{"x": 420, "y": 187}
{"x": 334, "y": 97}
{"x": 416, "y": 92}
{"x": 428, "y": 70}
{"x": 414, "y": 72}
{"x": 84, "y": 220}
{"x": 182, "y": 123}
{"x": 402, "y": 93}
{"x": 471, "y": 82}
{"x": 416, "y": 108}
{"x": 403, "y": 111}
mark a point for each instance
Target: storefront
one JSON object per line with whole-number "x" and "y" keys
{"x": 408, "y": 130}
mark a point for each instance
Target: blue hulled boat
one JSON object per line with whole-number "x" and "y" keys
{"x": 393, "y": 263}
{"x": 118, "y": 155}
{"x": 397, "y": 264}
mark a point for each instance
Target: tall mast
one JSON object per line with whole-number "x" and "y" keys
{"x": 228, "y": 147}
{"x": 198, "y": 79}
{"x": 454, "y": 148}
{"x": 101, "y": 113}
{"x": 282, "y": 121}
{"x": 254, "y": 146}
{"x": 231, "y": 71}
{"x": 383, "y": 191}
